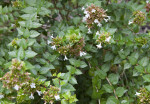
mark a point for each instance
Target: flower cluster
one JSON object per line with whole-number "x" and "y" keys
{"x": 143, "y": 96}
{"x": 94, "y": 15}
{"x": 51, "y": 95}
{"x": 17, "y": 65}
{"x": 147, "y": 7}
{"x": 139, "y": 17}
{"x": 29, "y": 89}
{"x": 17, "y": 75}
{"x": 16, "y": 3}
{"x": 17, "y": 79}
{"x": 72, "y": 43}
{"x": 103, "y": 37}
{"x": 77, "y": 49}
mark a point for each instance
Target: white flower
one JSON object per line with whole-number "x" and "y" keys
{"x": 89, "y": 31}
{"x": 65, "y": 58}
{"x": 97, "y": 33}
{"x": 106, "y": 20}
{"x": 108, "y": 39}
{"x": 87, "y": 15}
{"x": 31, "y": 96}
{"x": 99, "y": 24}
{"x": 130, "y": 22}
{"x": 104, "y": 15}
{"x": 32, "y": 85}
{"x": 1, "y": 96}
{"x": 16, "y": 87}
{"x": 147, "y": 1}
{"x": 57, "y": 97}
{"x": 109, "y": 17}
{"x": 48, "y": 41}
{"x": 96, "y": 21}
{"x": 93, "y": 10}
{"x": 84, "y": 19}
{"x": 53, "y": 47}
{"x": 39, "y": 92}
{"x": 52, "y": 36}
{"x": 86, "y": 12}
{"x": 82, "y": 54}
{"x": 99, "y": 46}
{"x": 137, "y": 94}
{"x": 83, "y": 8}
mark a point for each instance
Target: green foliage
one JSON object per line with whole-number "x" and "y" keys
{"x": 74, "y": 52}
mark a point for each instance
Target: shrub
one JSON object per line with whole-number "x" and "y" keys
{"x": 71, "y": 51}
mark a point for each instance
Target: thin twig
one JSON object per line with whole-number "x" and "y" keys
{"x": 99, "y": 101}
{"x": 114, "y": 89}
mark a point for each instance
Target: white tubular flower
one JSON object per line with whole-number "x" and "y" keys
{"x": 96, "y": 21}
{"x": 89, "y": 31}
{"x": 147, "y": 1}
{"x": 106, "y": 20}
{"x": 57, "y": 97}
{"x": 65, "y": 58}
{"x": 99, "y": 46}
{"x": 31, "y": 96}
{"x": 86, "y": 12}
{"x": 84, "y": 19}
{"x": 53, "y": 47}
{"x": 130, "y": 22}
{"x": 93, "y": 10}
{"x": 108, "y": 39}
{"x": 32, "y": 85}
{"x": 1, "y": 96}
{"x": 39, "y": 92}
{"x": 16, "y": 87}
{"x": 97, "y": 33}
{"x": 82, "y": 54}
{"x": 109, "y": 17}
{"x": 99, "y": 24}
{"x": 83, "y": 8}
{"x": 49, "y": 42}
{"x": 52, "y": 36}
{"x": 137, "y": 94}
{"x": 104, "y": 15}
{"x": 87, "y": 15}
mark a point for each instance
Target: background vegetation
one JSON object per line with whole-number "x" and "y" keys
{"x": 74, "y": 52}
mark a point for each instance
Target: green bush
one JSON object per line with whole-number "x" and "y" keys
{"x": 74, "y": 51}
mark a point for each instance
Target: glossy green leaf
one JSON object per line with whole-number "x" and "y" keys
{"x": 114, "y": 78}
{"x": 120, "y": 91}
{"x": 30, "y": 54}
{"x": 21, "y": 53}
{"x": 108, "y": 88}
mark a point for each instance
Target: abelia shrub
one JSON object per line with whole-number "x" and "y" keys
{"x": 74, "y": 52}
